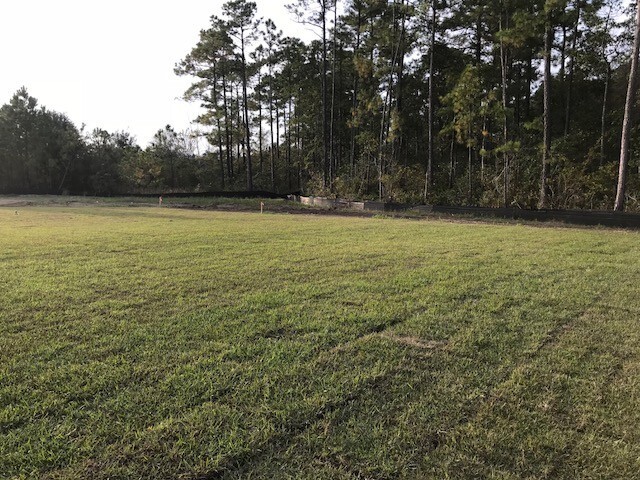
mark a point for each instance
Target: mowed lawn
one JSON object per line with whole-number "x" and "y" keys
{"x": 161, "y": 343}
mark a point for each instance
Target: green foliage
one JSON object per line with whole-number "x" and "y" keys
{"x": 465, "y": 102}
{"x": 40, "y": 150}
{"x": 348, "y": 114}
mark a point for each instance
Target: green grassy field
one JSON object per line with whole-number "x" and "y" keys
{"x": 161, "y": 343}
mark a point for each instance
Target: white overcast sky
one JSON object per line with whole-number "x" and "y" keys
{"x": 110, "y": 64}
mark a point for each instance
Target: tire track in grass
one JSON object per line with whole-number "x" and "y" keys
{"x": 464, "y": 415}
{"x": 576, "y": 434}
{"x": 600, "y": 414}
{"x": 380, "y": 387}
{"x": 496, "y": 403}
{"x": 564, "y": 455}
{"x": 283, "y": 440}
{"x": 604, "y": 383}
{"x": 291, "y": 428}
{"x": 551, "y": 339}
{"x": 294, "y": 430}
{"x": 379, "y": 326}
{"x": 429, "y": 445}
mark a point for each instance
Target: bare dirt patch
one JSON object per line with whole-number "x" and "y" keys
{"x": 12, "y": 202}
{"x": 415, "y": 341}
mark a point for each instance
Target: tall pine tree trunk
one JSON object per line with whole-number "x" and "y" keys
{"x": 288, "y": 135}
{"x": 546, "y": 140}
{"x": 272, "y": 147}
{"x": 354, "y": 106}
{"x": 332, "y": 150}
{"x": 277, "y": 110}
{"x": 625, "y": 143}
{"x": 218, "y": 129}
{"x": 452, "y": 160}
{"x": 505, "y": 124}
{"x": 260, "y": 146}
{"x": 326, "y": 181}
{"x": 605, "y": 96}
{"x": 572, "y": 69}
{"x": 246, "y": 117}
{"x": 399, "y": 133}
{"x": 603, "y": 121}
{"x": 239, "y": 141}
{"x": 527, "y": 93}
{"x": 227, "y": 129}
{"x": 470, "y": 166}
{"x": 430, "y": 149}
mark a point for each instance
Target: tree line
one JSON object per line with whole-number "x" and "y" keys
{"x": 503, "y": 102}
{"x": 43, "y": 152}
{"x": 496, "y": 103}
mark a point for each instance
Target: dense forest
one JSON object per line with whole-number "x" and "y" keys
{"x": 475, "y": 102}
